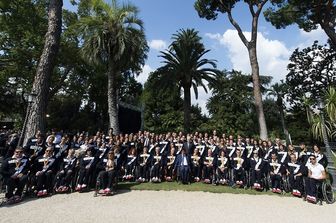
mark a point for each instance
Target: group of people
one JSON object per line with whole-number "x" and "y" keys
{"x": 60, "y": 163}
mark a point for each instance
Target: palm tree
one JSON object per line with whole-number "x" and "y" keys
{"x": 330, "y": 105}
{"x": 185, "y": 65}
{"x": 113, "y": 37}
{"x": 316, "y": 117}
{"x": 330, "y": 100}
{"x": 278, "y": 90}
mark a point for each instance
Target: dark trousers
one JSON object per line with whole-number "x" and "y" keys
{"x": 312, "y": 186}
{"x": 143, "y": 172}
{"x": 207, "y": 172}
{"x": 305, "y": 183}
{"x": 184, "y": 173}
{"x": 276, "y": 179}
{"x": 130, "y": 169}
{"x": 45, "y": 180}
{"x": 156, "y": 171}
{"x": 18, "y": 183}
{"x": 170, "y": 171}
{"x": 84, "y": 175}
{"x": 196, "y": 171}
{"x": 238, "y": 174}
{"x": 296, "y": 183}
{"x": 222, "y": 175}
{"x": 255, "y": 176}
{"x": 106, "y": 178}
{"x": 64, "y": 179}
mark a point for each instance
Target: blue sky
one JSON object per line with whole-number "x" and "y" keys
{"x": 162, "y": 18}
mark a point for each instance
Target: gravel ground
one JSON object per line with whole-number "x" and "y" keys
{"x": 167, "y": 206}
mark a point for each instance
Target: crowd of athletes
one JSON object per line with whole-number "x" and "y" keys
{"x": 63, "y": 163}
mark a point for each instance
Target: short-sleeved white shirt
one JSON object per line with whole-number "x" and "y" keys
{"x": 316, "y": 170}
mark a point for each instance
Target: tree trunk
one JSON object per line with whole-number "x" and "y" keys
{"x": 112, "y": 100}
{"x": 330, "y": 33}
{"x": 282, "y": 119}
{"x": 186, "y": 109}
{"x": 256, "y": 91}
{"x": 36, "y": 112}
{"x": 252, "y": 51}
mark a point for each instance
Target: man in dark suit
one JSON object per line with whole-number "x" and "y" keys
{"x": 189, "y": 146}
{"x": 15, "y": 171}
{"x": 182, "y": 165}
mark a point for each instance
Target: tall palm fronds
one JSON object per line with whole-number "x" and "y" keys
{"x": 185, "y": 65}
{"x": 331, "y": 103}
{"x": 113, "y": 37}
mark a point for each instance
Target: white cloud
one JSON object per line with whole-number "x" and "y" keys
{"x": 143, "y": 76}
{"x": 157, "y": 44}
{"x": 273, "y": 55}
{"x": 215, "y": 36}
{"x": 308, "y": 38}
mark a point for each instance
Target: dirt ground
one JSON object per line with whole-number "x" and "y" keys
{"x": 167, "y": 206}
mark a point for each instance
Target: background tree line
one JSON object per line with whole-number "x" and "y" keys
{"x": 102, "y": 47}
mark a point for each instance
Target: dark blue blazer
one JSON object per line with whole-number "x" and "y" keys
{"x": 179, "y": 160}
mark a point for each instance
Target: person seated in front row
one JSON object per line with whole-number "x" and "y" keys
{"x": 170, "y": 165}
{"x": 66, "y": 172}
{"x": 182, "y": 166}
{"x": 294, "y": 170}
{"x": 15, "y": 172}
{"x": 257, "y": 165}
{"x": 118, "y": 160}
{"x": 209, "y": 168}
{"x": 222, "y": 172}
{"x": 45, "y": 167}
{"x": 276, "y": 170}
{"x": 131, "y": 163}
{"x": 144, "y": 164}
{"x": 156, "y": 166}
{"x": 107, "y": 176}
{"x": 237, "y": 166}
{"x": 87, "y": 167}
{"x": 316, "y": 174}
{"x": 196, "y": 165}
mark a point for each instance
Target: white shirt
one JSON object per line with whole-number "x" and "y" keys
{"x": 185, "y": 163}
{"x": 316, "y": 170}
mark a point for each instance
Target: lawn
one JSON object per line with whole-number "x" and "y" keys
{"x": 174, "y": 186}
